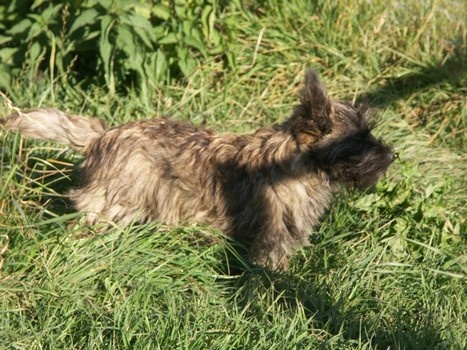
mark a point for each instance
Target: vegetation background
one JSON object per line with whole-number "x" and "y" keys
{"x": 386, "y": 270}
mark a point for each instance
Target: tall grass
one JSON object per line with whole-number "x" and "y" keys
{"x": 385, "y": 270}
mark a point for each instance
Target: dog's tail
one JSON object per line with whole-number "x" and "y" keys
{"x": 51, "y": 124}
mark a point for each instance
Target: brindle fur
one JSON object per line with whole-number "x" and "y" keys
{"x": 268, "y": 188}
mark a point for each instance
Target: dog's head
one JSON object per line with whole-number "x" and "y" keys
{"x": 337, "y": 138}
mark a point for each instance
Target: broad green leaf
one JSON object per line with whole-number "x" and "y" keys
{"x": 105, "y": 46}
{"x": 51, "y": 13}
{"x": 187, "y": 27}
{"x": 137, "y": 21}
{"x": 205, "y": 19}
{"x": 170, "y": 38}
{"x": 125, "y": 40}
{"x": 143, "y": 36}
{"x": 106, "y": 51}
{"x": 231, "y": 59}
{"x": 85, "y": 18}
{"x": 191, "y": 66}
{"x": 5, "y": 77}
{"x": 197, "y": 34}
{"x": 181, "y": 9}
{"x": 143, "y": 9}
{"x": 160, "y": 65}
{"x": 7, "y": 53}
{"x": 159, "y": 32}
{"x": 161, "y": 11}
{"x": 216, "y": 41}
{"x": 4, "y": 39}
{"x": 104, "y": 3}
{"x": 194, "y": 42}
{"x": 185, "y": 62}
{"x": 35, "y": 51}
{"x": 21, "y": 27}
{"x": 182, "y": 53}
{"x": 35, "y": 30}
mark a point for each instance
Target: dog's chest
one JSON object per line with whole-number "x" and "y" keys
{"x": 304, "y": 200}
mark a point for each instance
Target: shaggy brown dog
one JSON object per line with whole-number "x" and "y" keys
{"x": 268, "y": 188}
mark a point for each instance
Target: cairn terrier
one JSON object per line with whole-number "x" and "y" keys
{"x": 268, "y": 188}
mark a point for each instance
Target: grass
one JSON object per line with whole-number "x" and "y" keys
{"x": 386, "y": 270}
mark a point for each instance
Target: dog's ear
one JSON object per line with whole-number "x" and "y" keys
{"x": 314, "y": 100}
{"x": 312, "y": 116}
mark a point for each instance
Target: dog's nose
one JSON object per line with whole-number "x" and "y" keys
{"x": 393, "y": 156}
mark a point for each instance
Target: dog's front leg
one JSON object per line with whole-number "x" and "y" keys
{"x": 272, "y": 249}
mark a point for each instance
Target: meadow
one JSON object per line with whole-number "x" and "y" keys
{"x": 386, "y": 269}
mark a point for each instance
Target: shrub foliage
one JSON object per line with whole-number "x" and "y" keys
{"x": 119, "y": 41}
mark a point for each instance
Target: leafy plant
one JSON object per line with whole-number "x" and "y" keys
{"x": 120, "y": 41}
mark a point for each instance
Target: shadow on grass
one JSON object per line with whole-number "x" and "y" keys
{"x": 399, "y": 88}
{"x": 344, "y": 324}
{"x": 48, "y": 179}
